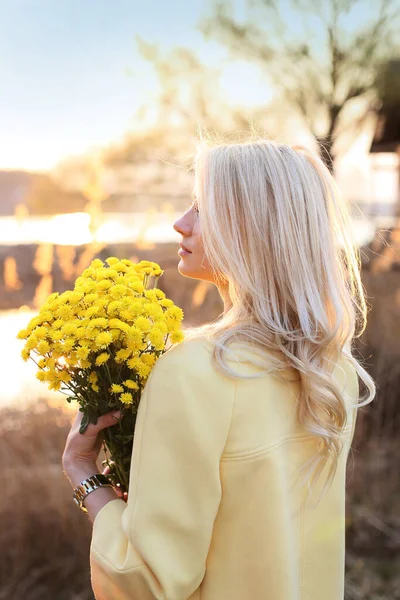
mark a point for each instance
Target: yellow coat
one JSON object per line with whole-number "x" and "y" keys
{"x": 213, "y": 512}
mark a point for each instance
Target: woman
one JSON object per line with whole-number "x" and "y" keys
{"x": 237, "y": 484}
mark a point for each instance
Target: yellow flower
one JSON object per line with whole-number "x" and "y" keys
{"x": 118, "y": 291}
{"x": 96, "y": 263}
{"x": 93, "y": 377}
{"x": 127, "y": 262}
{"x": 88, "y": 286}
{"x": 68, "y": 344}
{"x": 80, "y": 333}
{"x": 41, "y": 332}
{"x": 111, "y": 260}
{"x": 102, "y": 303}
{"x": 162, "y": 326}
{"x": 136, "y": 364}
{"x": 102, "y": 358}
{"x": 23, "y": 334}
{"x": 56, "y": 335}
{"x": 175, "y": 312}
{"x": 73, "y": 360}
{"x": 126, "y": 398}
{"x": 45, "y": 316}
{"x": 95, "y": 387}
{"x": 69, "y": 328}
{"x": 156, "y": 338}
{"x": 103, "y": 285}
{"x": 63, "y": 312}
{"x": 148, "y": 359}
{"x": 31, "y": 342}
{"x": 116, "y": 389}
{"x": 82, "y": 352}
{"x": 176, "y": 336}
{"x": 52, "y": 296}
{"x": 55, "y": 385}
{"x": 103, "y": 339}
{"x": 50, "y": 363}
{"x": 143, "y": 324}
{"x": 25, "y": 353}
{"x": 134, "y": 335}
{"x": 154, "y": 311}
{"x": 126, "y": 315}
{"x": 92, "y": 333}
{"x": 100, "y": 322}
{"x": 92, "y": 310}
{"x": 120, "y": 267}
{"x": 136, "y": 286}
{"x": 167, "y": 303}
{"x": 122, "y": 355}
{"x": 89, "y": 298}
{"x": 105, "y": 274}
{"x": 65, "y": 376}
{"x": 41, "y": 375}
{"x": 80, "y": 281}
{"x": 76, "y": 297}
{"x": 115, "y": 334}
{"x": 151, "y": 295}
{"x": 43, "y": 347}
{"x": 172, "y": 324}
{"x": 33, "y": 323}
{"x": 118, "y": 324}
{"x": 114, "y": 306}
{"x": 132, "y": 385}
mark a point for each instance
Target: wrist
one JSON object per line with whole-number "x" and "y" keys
{"x": 78, "y": 471}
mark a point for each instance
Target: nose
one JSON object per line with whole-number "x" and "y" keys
{"x": 183, "y": 225}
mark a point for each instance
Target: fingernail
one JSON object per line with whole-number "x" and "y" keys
{"x": 116, "y": 414}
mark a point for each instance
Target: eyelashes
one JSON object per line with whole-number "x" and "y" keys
{"x": 194, "y": 205}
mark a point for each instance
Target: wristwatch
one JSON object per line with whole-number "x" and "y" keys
{"x": 89, "y": 485}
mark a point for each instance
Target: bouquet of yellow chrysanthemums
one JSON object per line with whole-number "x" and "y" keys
{"x": 98, "y": 344}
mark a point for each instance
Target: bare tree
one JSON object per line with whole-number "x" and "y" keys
{"x": 321, "y": 55}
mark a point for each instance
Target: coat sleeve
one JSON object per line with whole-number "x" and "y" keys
{"x": 155, "y": 546}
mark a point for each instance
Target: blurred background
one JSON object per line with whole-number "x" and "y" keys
{"x": 99, "y": 105}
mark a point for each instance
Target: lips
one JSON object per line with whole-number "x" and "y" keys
{"x": 184, "y": 248}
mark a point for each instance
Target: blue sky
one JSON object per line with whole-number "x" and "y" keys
{"x": 64, "y": 64}
{"x": 63, "y": 71}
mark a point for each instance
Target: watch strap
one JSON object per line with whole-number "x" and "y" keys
{"x": 89, "y": 485}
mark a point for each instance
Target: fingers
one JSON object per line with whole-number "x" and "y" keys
{"x": 107, "y": 420}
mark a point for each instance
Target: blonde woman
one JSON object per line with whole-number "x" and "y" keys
{"x": 243, "y": 431}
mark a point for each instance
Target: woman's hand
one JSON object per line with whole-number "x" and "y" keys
{"x": 82, "y": 449}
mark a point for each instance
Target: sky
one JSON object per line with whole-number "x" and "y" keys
{"x": 72, "y": 78}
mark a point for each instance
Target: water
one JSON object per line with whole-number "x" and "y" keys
{"x": 18, "y": 381}
{"x": 75, "y": 228}
{"x": 155, "y": 227}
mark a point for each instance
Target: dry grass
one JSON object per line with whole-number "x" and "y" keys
{"x": 44, "y": 543}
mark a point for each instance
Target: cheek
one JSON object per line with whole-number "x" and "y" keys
{"x": 196, "y": 234}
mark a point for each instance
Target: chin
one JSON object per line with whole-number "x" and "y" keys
{"x": 185, "y": 270}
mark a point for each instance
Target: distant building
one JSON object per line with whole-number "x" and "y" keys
{"x": 385, "y": 147}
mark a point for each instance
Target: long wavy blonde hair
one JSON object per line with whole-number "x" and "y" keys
{"x": 277, "y": 233}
